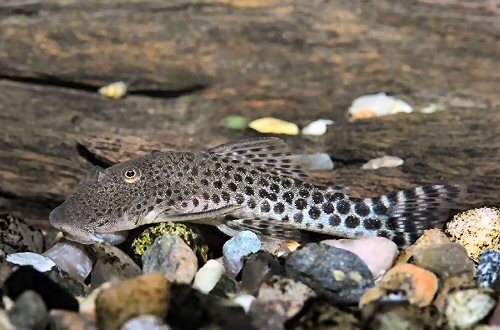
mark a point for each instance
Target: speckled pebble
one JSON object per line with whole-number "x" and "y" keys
{"x": 488, "y": 270}
{"x": 466, "y": 308}
{"x": 238, "y": 247}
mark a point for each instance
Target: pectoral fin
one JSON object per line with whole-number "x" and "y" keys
{"x": 212, "y": 217}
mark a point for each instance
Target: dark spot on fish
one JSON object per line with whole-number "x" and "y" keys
{"x": 351, "y": 221}
{"x": 279, "y": 208}
{"x": 263, "y": 182}
{"x": 232, "y": 186}
{"x": 384, "y": 233}
{"x": 265, "y": 207}
{"x": 285, "y": 218}
{"x": 229, "y": 168}
{"x": 215, "y": 198}
{"x": 251, "y": 204}
{"x": 238, "y": 177}
{"x": 225, "y": 196}
{"x": 317, "y": 198}
{"x": 273, "y": 197}
{"x": 138, "y": 206}
{"x": 380, "y": 208}
{"x": 314, "y": 212}
{"x": 263, "y": 193}
{"x": 372, "y": 223}
{"x": 204, "y": 182}
{"x": 300, "y": 204}
{"x": 239, "y": 198}
{"x": 249, "y": 179}
{"x": 206, "y": 196}
{"x": 217, "y": 184}
{"x": 194, "y": 171}
{"x": 392, "y": 223}
{"x": 328, "y": 208}
{"x": 343, "y": 207}
{"x": 304, "y": 193}
{"x": 275, "y": 188}
{"x": 334, "y": 197}
{"x": 196, "y": 202}
{"x": 184, "y": 204}
{"x": 249, "y": 191}
{"x": 361, "y": 209}
{"x": 286, "y": 183}
{"x": 399, "y": 239}
{"x": 298, "y": 217}
{"x": 288, "y": 197}
{"x": 320, "y": 226}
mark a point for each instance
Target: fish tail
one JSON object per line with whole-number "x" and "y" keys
{"x": 404, "y": 215}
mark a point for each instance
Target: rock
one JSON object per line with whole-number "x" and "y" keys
{"x": 488, "y": 269}
{"x": 476, "y": 229}
{"x": 29, "y": 310}
{"x": 444, "y": 260}
{"x": 264, "y": 317}
{"x": 376, "y": 105}
{"x": 5, "y": 271}
{"x": 146, "y": 294}
{"x": 317, "y": 127}
{"x": 338, "y": 274}
{"x": 429, "y": 237}
{"x": 244, "y": 300}
{"x": 390, "y": 315}
{"x": 404, "y": 282}
{"x": 452, "y": 284}
{"x": 225, "y": 288}
{"x": 72, "y": 286}
{"x": 5, "y": 323}
{"x": 65, "y": 320}
{"x": 145, "y": 322}
{"x": 318, "y": 314}
{"x": 378, "y": 253}
{"x": 235, "y": 122}
{"x": 112, "y": 264}
{"x": 72, "y": 258}
{"x": 191, "y": 309}
{"x": 284, "y": 296}
{"x": 258, "y": 267}
{"x": 316, "y": 162}
{"x": 276, "y": 247}
{"x": 191, "y": 236}
{"x": 274, "y": 126}
{"x": 26, "y": 278}
{"x": 386, "y": 161}
{"x": 207, "y": 276}
{"x": 17, "y": 236}
{"x": 466, "y": 308}
{"x": 237, "y": 248}
{"x": 495, "y": 316}
{"x": 35, "y": 260}
{"x": 171, "y": 256}
{"x": 116, "y": 90}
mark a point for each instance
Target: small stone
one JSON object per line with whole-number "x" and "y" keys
{"x": 476, "y": 229}
{"x": 145, "y": 322}
{"x": 488, "y": 270}
{"x": 72, "y": 286}
{"x": 274, "y": 126}
{"x": 378, "y": 253}
{"x": 495, "y": 316}
{"x": 428, "y": 238}
{"x": 65, "y": 320}
{"x": 417, "y": 285}
{"x": 235, "y": 122}
{"x": 5, "y": 323}
{"x": 385, "y": 161}
{"x": 26, "y": 278}
{"x": 112, "y": 264}
{"x": 377, "y": 105}
{"x": 316, "y": 264}
{"x": 316, "y": 162}
{"x": 116, "y": 90}
{"x": 146, "y": 294}
{"x": 258, "y": 267}
{"x": 318, "y": 314}
{"x": 466, "y": 308}
{"x": 317, "y": 127}
{"x": 244, "y": 300}
{"x": 391, "y": 315}
{"x": 237, "y": 248}
{"x": 17, "y": 236}
{"x": 29, "y": 310}
{"x": 35, "y": 260}
{"x": 171, "y": 256}
{"x": 444, "y": 260}
{"x": 72, "y": 258}
{"x": 225, "y": 288}
{"x": 276, "y": 247}
{"x": 207, "y": 276}
{"x": 452, "y": 284}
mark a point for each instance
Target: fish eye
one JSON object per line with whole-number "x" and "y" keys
{"x": 132, "y": 175}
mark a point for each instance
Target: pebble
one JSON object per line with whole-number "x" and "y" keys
{"x": 378, "y": 253}
{"x": 35, "y": 260}
{"x": 146, "y": 294}
{"x": 316, "y": 162}
{"x": 466, "y": 308}
{"x": 323, "y": 315}
{"x": 235, "y": 122}
{"x": 258, "y": 267}
{"x": 145, "y": 322}
{"x": 244, "y": 300}
{"x": 116, "y": 90}
{"x": 72, "y": 286}
{"x": 390, "y": 315}
{"x": 338, "y": 274}
{"x": 274, "y": 126}
{"x": 429, "y": 237}
{"x": 112, "y": 264}
{"x": 170, "y": 255}
{"x": 225, "y": 288}
{"x": 476, "y": 229}
{"x": 5, "y": 323}
{"x": 317, "y": 127}
{"x": 72, "y": 258}
{"x": 65, "y": 320}
{"x": 27, "y": 278}
{"x": 237, "y": 248}
{"x": 207, "y": 276}
{"x": 376, "y": 105}
{"x": 444, "y": 260}
{"x": 495, "y": 316}
{"x": 276, "y": 247}
{"x": 386, "y": 161}
{"x": 488, "y": 269}
{"x": 417, "y": 285}
{"x": 28, "y": 311}
{"x": 17, "y": 236}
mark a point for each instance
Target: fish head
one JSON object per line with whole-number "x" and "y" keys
{"x": 113, "y": 200}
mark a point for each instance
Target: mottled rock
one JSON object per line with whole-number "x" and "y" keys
{"x": 452, "y": 284}
{"x": 467, "y": 308}
{"x": 72, "y": 258}
{"x": 35, "y": 260}
{"x": 237, "y": 248}
{"x": 29, "y": 310}
{"x": 476, "y": 229}
{"x": 338, "y": 274}
{"x": 488, "y": 269}
{"x": 318, "y": 314}
{"x": 65, "y": 320}
{"x": 170, "y": 255}
{"x": 276, "y": 247}
{"x": 17, "y": 236}
{"x": 189, "y": 234}
{"x": 145, "y": 322}
{"x": 378, "y": 253}
{"x": 244, "y": 300}
{"x": 258, "y": 267}
{"x": 26, "y": 278}
{"x": 428, "y": 238}
{"x": 444, "y": 260}
{"x": 69, "y": 284}
{"x": 404, "y": 282}
{"x": 207, "y": 276}
{"x": 112, "y": 264}
{"x": 146, "y": 294}
{"x": 225, "y": 287}
{"x": 391, "y": 316}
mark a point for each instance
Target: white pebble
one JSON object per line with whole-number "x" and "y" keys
{"x": 116, "y": 90}
{"x": 386, "y": 161}
{"x": 207, "y": 276}
{"x": 72, "y": 258}
{"x": 376, "y": 105}
{"x": 316, "y": 162}
{"x": 317, "y": 127}
{"x": 245, "y": 301}
{"x": 37, "y": 261}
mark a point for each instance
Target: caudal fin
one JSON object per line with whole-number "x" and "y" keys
{"x": 407, "y": 213}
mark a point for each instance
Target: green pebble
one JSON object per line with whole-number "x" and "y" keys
{"x": 236, "y": 122}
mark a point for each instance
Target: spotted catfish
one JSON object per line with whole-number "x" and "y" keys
{"x": 255, "y": 185}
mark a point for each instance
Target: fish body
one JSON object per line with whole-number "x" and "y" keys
{"x": 258, "y": 183}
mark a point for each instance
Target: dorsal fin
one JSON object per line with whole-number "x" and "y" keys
{"x": 270, "y": 153}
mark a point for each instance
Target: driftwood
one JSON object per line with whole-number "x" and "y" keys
{"x": 191, "y": 63}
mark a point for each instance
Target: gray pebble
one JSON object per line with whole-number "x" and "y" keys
{"x": 28, "y": 311}
{"x": 237, "y": 248}
{"x": 488, "y": 270}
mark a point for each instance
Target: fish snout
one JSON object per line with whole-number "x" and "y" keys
{"x": 58, "y": 217}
